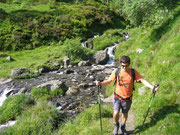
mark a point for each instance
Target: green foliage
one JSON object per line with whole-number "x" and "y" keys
{"x": 32, "y": 59}
{"x": 85, "y": 120}
{"x": 107, "y": 39}
{"x": 75, "y": 51}
{"x": 41, "y": 119}
{"x": 144, "y": 11}
{"x": 37, "y": 25}
{"x": 14, "y": 106}
{"x": 45, "y": 94}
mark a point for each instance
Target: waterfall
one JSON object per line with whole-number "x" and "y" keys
{"x": 3, "y": 96}
{"x": 110, "y": 52}
{"x": 8, "y": 124}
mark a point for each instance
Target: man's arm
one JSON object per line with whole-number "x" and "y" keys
{"x": 147, "y": 84}
{"x": 104, "y": 83}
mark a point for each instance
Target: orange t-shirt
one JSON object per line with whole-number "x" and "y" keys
{"x": 124, "y": 83}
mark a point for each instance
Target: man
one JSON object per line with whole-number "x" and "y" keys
{"x": 123, "y": 92}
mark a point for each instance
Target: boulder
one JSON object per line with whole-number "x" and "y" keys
{"x": 9, "y": 58}
{"x": 66, "y": 61}
{"x": 53, "y": 84}
{"x": 43, "y": 69}
{"x": 101, "y": 57}
{"x": 72, "y": 90}
{"x": 84, "y": 63}
{"x": 19, "y": 72}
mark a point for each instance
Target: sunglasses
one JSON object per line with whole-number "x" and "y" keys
{"x": 125, "y": 65}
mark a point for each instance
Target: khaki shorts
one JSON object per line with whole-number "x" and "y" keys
{"x": 118, "y": 104}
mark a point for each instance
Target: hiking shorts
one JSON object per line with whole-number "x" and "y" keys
{"x": 118, "y": 104}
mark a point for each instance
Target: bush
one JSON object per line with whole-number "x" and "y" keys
{"x": 107, "y": 39}
{"x": 75, "y": 51}
{"x": 29, "y": 29}
{"x": 45, "y": 94}
{"x": 144, "y": 11}
{"x": 41, "y": 119}
{"x": 14, "y": 106}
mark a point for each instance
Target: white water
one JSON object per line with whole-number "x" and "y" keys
{"x": 8, "y": 124}
{"x": 3, "y": 96}
{"x": 110, "y": 52}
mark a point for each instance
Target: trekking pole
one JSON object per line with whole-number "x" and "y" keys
{"x": 152, "y": 98}
{"x": 99, "y": 102}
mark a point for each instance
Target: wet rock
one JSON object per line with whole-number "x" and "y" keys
{"x": 69, "y": 71}
{"x": 19, "y": 72}
{"x": 51, "y": 85}
{"x": 84, "y": 63}
{"x": 72, "y": 90}
{"x": 66, "y": 61}
{"x": 83, "y": 85}
{"x": 44, "y": 69}
{"x": 9, "y": 58}
{"x": 101, "y": 57}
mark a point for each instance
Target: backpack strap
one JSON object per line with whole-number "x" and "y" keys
{"x": 116, "y": 75}
{"x": 118, "y": 71}
{"x": 133, "y": 76}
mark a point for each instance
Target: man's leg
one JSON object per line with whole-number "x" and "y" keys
{"x": 125, "y": 108}
{"x": 116, "y": 117}
{"x": 116, "y": 108}
{"x": 123, "y": 124}
{"x": 124, "y": 117}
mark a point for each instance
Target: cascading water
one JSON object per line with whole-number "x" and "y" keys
{"x": 3, "y": 96}
{"x": 8, "y": 124}
{"x": 110, "y": 52}
{"x": 4, "y": 89}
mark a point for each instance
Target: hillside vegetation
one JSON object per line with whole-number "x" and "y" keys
{"x": 40, "y": 33}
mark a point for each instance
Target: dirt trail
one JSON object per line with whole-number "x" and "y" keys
{"x": 130, "y": 124}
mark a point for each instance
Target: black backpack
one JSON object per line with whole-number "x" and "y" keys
{"x": 118, "y": 71}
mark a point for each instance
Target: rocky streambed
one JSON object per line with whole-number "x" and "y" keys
{"x": 79, "y": 82}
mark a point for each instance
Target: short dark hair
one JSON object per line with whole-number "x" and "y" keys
{"x": 125, "y": 59}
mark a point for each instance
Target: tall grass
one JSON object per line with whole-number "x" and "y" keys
{"x": 88, "y": 122}
{"x": 41, "y": 119}
{"x": 14, "y": 107}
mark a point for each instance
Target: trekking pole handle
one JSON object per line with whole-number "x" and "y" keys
{"x": 156, "y": 86}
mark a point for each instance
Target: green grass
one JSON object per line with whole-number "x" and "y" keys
{"x": 158, "y": 63}
{"x": 45, "y": 94}
{"x": 108, "y": 39}
{"x": 88, "y": 122}
{"x": 32, "y": 59}
{"x": 14, "y": 107}
{"x": 41, "y": 119}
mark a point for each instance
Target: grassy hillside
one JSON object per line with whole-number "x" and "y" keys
{"x": 158, "y": 63}
{"x": 153, "y": 48}
{"x": 34, "y": 25}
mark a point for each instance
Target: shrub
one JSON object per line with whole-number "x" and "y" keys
{"x": 14, "y": 106}
{"x": 75, "y": 51}
{"x": 45, "y": 94}
{"x": 107, "y": 39}
{"x": 41, "y": 119}
{"x": 144, "y": 11}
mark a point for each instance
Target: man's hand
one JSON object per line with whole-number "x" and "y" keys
{"x": 98, "y": 82}
{"x": 156, "y": 87}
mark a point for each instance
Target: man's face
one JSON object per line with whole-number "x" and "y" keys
{"x": 124, "y": 66}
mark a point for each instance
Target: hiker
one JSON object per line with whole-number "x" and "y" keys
{"x": 123, "y": 92}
